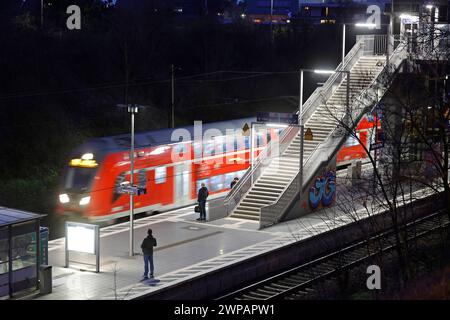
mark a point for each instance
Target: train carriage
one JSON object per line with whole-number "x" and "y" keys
{"x": 169, "y": 167}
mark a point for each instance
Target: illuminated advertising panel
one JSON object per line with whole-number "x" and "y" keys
{"x": 83, "y": 238}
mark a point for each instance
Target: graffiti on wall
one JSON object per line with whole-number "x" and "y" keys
{"x": 323, "y": 190}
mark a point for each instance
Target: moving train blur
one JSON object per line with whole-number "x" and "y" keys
{"x": 170, "y": 165}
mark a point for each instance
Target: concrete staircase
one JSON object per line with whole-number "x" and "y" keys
{"x": 277, "y": 176}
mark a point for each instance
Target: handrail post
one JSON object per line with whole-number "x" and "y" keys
{"x": 300, "y": 122}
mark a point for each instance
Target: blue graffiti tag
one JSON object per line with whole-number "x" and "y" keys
{"x": 323, "y": 190}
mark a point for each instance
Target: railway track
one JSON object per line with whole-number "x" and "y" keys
{"x": 299, "y": 282}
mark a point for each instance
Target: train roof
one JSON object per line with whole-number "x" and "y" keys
{"x": 158, "y": 137}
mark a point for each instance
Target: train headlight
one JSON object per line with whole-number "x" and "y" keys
{"x": 85, "y": 200}
{"x": 64, "y": 198}
{"x": 87, "y": 156}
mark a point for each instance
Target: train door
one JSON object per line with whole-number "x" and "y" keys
{"x": 182, "y": 183}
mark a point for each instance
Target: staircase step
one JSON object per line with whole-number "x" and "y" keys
{"x": 246, "y": 203}
{"x": 244, "y": 216}
{"x": 269, "y": 185}
{"x": 247, "y": 208}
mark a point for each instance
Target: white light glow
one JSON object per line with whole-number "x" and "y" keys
{"x": 64, "y": 198}
{"x": 324, "y": 71}
{"x": 85, "y": 200}
{"x": 405, "y": 16}
{"x": 159, "y": 150}
{"x": 277, "y": 125}
{"x": 87, "y": 156}
{"x": 429, "y": 6}
{"x": 81, "y": 239}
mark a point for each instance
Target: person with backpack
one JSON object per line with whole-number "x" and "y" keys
{"x": 147, "y": 250}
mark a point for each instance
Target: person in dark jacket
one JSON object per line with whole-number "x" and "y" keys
{"x": 202, "y": 195}
{"x": 147, "y": 250}
{"x": 235, "y": 180}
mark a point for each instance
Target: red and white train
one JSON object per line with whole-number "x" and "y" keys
{"x": 92, "y": 180}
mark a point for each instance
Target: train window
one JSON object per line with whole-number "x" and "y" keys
{"x": 120, "y": 178}
{"x": 160, "y": 175}
{"x": 198, "y": 150}
{"x": 79, "y": 179}
{"x": 142, "y": 178}
{"x": 228, "y": 178}
{"x": 220, "y": 144}
{"x": 247, "y": 142}
{"x": 208, "y": 148}
{"x": 216, "y": 183}
{"x": 239, "y": 142}
{"x": 180, "y": 148}
{"x": 235, "y": 144}
{"x": 241, "y": 173}
{"x": 261, "y": 139}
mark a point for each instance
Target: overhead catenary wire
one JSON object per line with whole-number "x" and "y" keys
{"x": 181, "y": 80}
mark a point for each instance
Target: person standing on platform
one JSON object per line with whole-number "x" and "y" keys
{"x": 202, "y": 196}
{"x": 147, "y": 250}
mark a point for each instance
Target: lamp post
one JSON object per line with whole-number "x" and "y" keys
{"x": 300, "y": 120}
{"x": 132, "y": 109}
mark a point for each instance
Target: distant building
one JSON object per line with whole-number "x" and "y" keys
{"x": 262, "y": 11}
{"x": 314, "y": 11}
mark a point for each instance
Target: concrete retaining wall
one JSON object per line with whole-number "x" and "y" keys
{"x": 211, "y": 284}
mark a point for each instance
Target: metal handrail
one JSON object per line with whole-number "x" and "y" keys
{"x": 351, "y": 54}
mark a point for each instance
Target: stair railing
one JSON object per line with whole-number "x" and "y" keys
{"x": 318, "y": 97}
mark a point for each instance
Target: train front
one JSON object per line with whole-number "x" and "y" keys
{"x": 79, "y": 181}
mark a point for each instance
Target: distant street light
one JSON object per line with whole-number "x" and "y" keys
{"x": 365, "y": 25}
{"x": 359, "y": 25}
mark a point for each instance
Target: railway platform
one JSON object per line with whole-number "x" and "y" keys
{"x": 185, "y": 248}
